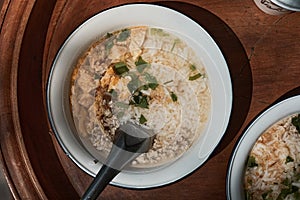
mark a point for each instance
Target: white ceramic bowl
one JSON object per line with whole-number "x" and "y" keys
{"x": 288, "y": 4}
{"x": 116, "y": 19}
{"x": 237, "y": 163}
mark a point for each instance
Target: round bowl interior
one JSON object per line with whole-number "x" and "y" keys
{"x": 237, "y": 163}
{"x": 154, "y": 16}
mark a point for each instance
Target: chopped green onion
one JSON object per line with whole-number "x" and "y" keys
{"x": 109, "y": 43}
{"x": 123, "y": 35}
{"x": 153, "y": 85}
{"x": 120, "y": 68}
{"x": 192, "y": 78}
{"x": 150, "y": 78}
{"x": 167, "y": 82}
{"x": 143, "y": 103}
{"x": 140, "y": 68}
{"x": 139, "y": 100}
{"x": 134, "y": 84}
{"x": 251, "y": 162}
{"x": 192, "y": 67}
{"x": 152, "y": 82}
{"x": 140, "y": 61}
{"x": 174, "y": 44}
{"x": 289, "y": 159}
{"x": 173, "y": 96}
{"x": 144, "y": 87}
{"x": 296, "y": 122}
{"x": 141, "y": 64}
{"x": 143, "y": 119}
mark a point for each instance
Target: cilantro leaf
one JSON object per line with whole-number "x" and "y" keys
{"x": 152, "y": 81}
{"x": 296, "y": 122}
{"x": 120, "y": 68}
{"x": 134, "y": 84}
{"x": 251, "y": 162}
{"x": 123, "y": 35}
{"x": 139, "y": 100}
{"x": 143, "y": 119}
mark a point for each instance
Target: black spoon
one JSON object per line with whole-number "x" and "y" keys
{"x": 130, "y": 141}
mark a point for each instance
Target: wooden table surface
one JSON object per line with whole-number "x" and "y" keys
{"x": 265, "y": 48}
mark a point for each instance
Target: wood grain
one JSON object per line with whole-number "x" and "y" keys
{"x": 14, "y": 153}
{"x": 31, "y": 33}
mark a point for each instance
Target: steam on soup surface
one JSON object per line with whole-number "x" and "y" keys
{"x": 147, "y": 76}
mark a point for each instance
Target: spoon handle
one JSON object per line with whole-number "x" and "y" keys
{"x": 124, "y": 150}
{"x": 104, "y": 176}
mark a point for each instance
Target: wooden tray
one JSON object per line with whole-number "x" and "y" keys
{"x": 35, "y": 165}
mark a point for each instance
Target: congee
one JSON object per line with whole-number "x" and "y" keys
{"x": 145, "y": 75}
